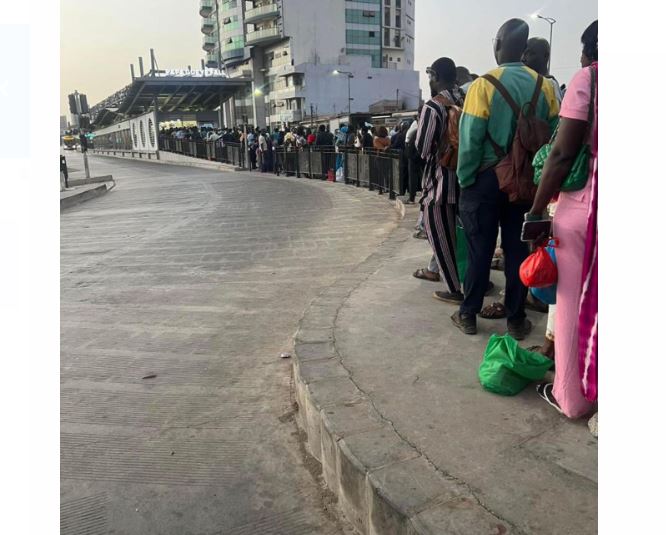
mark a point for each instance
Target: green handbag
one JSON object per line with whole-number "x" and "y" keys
{"x": 580, "y": 170}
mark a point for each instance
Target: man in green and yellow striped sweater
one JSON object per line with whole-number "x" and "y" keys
{"x": 483, "y": 207}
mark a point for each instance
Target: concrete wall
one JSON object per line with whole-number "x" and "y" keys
{"x": 143, "y": 129}
{"x": 329, "y": 92}
{"x": 316, "y": 29}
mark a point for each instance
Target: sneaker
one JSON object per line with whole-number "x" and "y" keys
{"x": 420, "y": 235}
{"x": 465, "y": 322}
{"x": 520, "y": 331}
{"x": 450, "y": 297}
{"x": 545, "y": 391}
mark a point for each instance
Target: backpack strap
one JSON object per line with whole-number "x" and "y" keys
{"x": 537, "y": 93}
{"x": 503, "y": 91}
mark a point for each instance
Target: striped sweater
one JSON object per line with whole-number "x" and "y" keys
{"x": 486, "y": 113}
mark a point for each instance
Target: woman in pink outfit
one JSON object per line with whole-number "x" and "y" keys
{"x": 574, "y": 391}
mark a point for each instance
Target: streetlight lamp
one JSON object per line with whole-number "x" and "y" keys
{"x": 349, "y": 76}
{"x": 550, "y": 21}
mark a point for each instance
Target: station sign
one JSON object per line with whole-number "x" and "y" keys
{"x": 192, "y": 73}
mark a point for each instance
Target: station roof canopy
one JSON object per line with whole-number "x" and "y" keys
{"x": 180, "y": 93}
{"x": 173, "y": 93}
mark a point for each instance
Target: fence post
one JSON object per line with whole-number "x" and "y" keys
{"x": 392, "y": 180}
{"x": 309, "y": 162}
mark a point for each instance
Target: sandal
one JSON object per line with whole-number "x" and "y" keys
{"x": 495, "y": 311}
{"x": 545, "y": 391}
{"x": 427, "y": 275}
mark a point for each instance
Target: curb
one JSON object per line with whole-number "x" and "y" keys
{"x": 202, "y": 164}
{"x": 383, "y": 483}
{"x": 92, "y": 180}
{"x": 86, "y": 195}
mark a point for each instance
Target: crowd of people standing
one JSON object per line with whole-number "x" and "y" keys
{"x": 470, "y": 138}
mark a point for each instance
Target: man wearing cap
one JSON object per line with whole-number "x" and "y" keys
{"x": 440, "y": 185}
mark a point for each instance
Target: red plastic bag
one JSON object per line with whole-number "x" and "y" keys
{"x": 538, "y": 270}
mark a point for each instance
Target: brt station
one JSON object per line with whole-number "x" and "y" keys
{"x": 131, "y": 119}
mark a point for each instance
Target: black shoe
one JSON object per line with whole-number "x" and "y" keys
{"x": 545, "y": 391}
{"x": 420, "y": 235}
{"x": 450, "y": 297}
{"x": 521, "y": 330}
{"x": 465, "y": 322}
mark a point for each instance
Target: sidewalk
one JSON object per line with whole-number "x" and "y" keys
{"x": 409, "y": 441}
{"x": 80, "y": 188}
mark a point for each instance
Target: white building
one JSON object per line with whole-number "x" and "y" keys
{"x": 311, "y": 56}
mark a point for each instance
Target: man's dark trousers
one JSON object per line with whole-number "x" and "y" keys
{"x": 483, "y": 207}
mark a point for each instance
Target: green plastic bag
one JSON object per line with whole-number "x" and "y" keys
{"x": 507, "y": 368}
{"x": 461, "y": 254}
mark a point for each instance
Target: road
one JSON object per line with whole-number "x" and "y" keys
{"x": 179, "y": 290}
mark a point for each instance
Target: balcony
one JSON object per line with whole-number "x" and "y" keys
{"x": 211, "y": 60}
{"x": 210, "y": 42}
{"x": 265, "y": 12}
{"x": 208, "y": 26}
{"x": 290, "y": 92}
{"x": 206, "y": 7}
{"x": 267, "y": 35}
{"x": 233, "y": 56}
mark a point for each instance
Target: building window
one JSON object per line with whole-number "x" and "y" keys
{"x": 387, "y": 37}
{"x": 398, "y": 3}
{"x": 397, "y": 21}
{"x": 387, "y": 16}
{"x": 371, "y": 34}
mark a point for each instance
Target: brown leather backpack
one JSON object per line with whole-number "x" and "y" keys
{"x": 447, "y": 148}
{"x": 514, "y": 170}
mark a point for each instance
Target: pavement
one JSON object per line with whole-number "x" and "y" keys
{"x": 179, "y": 291}
{"x": 81, "y": 189}
{"x": 408, "y": 439}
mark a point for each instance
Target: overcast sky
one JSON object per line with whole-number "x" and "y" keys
{"x": 100, "y": 39}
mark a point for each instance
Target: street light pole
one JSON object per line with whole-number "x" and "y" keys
{"x": 550, "y": 21}
{"x": 349, "y": 76}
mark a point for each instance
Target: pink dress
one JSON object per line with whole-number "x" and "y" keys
{"x": 570, "y": 227}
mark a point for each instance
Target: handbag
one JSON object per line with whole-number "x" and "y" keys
{"x": 580, "y": 170}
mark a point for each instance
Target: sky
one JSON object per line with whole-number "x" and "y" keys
{"x": 98, "y": 40}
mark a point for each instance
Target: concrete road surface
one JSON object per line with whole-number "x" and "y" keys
{"x": 179, "y": 290}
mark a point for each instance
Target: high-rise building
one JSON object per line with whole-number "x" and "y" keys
{"x": 312, "y": 56}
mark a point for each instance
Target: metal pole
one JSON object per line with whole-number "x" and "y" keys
{"x": 550, "y": 44}
{"x": 349, "y": 93}
{"x": 85, "y": 164}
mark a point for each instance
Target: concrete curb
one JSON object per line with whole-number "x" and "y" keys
{"x": 92, "y": 180}
{"x": 203, "y": 164}
{"x": 383, "y": 483}
{"x": 85, "y": 195}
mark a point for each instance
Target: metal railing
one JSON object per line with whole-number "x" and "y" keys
{"x": 217, "y": 151}
{"x": 375, "y": 170}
